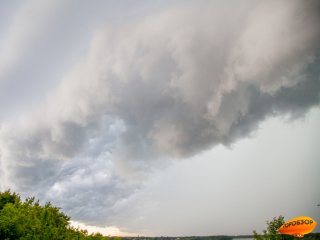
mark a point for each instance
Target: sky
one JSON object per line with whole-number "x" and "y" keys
{"x": 165, "y": 117}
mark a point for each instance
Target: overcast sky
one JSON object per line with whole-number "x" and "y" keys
{"x": 162, "y": 117}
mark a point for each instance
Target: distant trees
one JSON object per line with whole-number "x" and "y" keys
{"x": 28, "y": 219}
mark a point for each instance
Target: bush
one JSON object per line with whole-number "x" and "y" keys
{"x": 28, "y": 219}
{"x": 271, "y": 233}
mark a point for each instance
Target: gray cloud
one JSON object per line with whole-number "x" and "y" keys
{"x": 165, "y": 86}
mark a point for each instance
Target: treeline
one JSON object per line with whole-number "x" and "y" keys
{"x": 222, "y": 237}
{"x": 24, "y": 220}
{"x": 29, "y": 220}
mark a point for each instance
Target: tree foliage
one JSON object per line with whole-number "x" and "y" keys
{"x": 271, "y": 233}
{"x": 28, "y": 219}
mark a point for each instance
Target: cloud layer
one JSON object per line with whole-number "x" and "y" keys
{"x": 162, "y": 86}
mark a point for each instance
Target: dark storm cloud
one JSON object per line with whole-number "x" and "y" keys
{"x": 166, "y": 86}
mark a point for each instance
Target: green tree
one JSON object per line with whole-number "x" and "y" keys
{"x": 26, "y": 220}
{"x": 8, "y": 197}
{"x": 29, "y": 220}
{"x": 271, "y": 233}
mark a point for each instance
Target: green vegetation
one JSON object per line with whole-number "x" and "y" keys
{"x": 271, "y": 232}
{"x": 28, "y": 219}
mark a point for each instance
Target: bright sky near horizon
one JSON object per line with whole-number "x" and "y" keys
{"x": 162, "y": 118}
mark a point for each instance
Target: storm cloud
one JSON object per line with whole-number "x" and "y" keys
{"x": 155, "y": 88}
